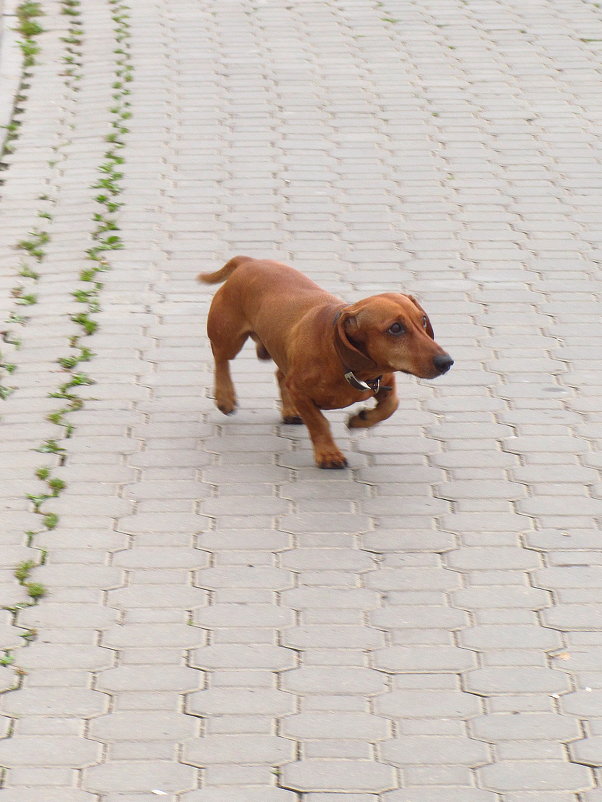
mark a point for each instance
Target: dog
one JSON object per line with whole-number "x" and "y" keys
{"x": 328, "y": 354}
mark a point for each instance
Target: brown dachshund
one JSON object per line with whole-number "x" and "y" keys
{"x": 329, "y": 354}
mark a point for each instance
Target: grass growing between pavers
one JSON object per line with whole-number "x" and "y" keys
{"x": 106, "y": 239}
{"x": 29, "y": 28}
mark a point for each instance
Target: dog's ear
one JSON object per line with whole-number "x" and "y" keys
{"x": 349, "y": 347}
{"x": 428, "y": 328}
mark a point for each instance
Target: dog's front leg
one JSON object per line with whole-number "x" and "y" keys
{"x": 289, "y": 412}
{"x": 326, "y": 454}
{"x": 386, "y": 404}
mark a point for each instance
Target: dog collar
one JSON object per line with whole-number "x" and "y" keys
{"x": 372, "y": 385}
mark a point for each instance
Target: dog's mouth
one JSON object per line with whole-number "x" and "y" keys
{"x": 434, "y": 373}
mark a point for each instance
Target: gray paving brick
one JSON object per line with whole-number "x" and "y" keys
{"x": 333, "y": 636}
{"x": 248, "y": 794}
{"x": 348, "y": 559}
{"x": 250, "y": 655}
{"x": 135, "y": 776}
{"x": 228, "y": 749}
{"x": 328, "y": 797}
{"x": 501, "y": 596}
{"x": 145, "y": 725}
{"x": 427, "y": 704}
{"x": 488, "y": 637}
{"x": 526, "y": 776}
{"x": 61, "y": 794}
{"x": 151, "y": 634}
{"x": 429, "y": 750}
{"x": 524, "y": 727}
{"x": 244, "y": 576}
{"x": 339, "y": 724}
{"x": 413, "y": 540}
{"x": 157, "y": 596}
{"x": 441, "y": 794}
{"x": 163, "y": 557}
{"x": 345, "y": 680}
{"x": 56, "y": 702}
{"x": 240, "y": 615}
{"x": 338, "y": 775}
{"x": 516, "y": 680}
{"x": 252, "y": 701}
{"x": 69, "y": 615}
{"x": 148, "y": 678}
{"x": 423, "y": 659}
{"x": 28, "y": 750}
{"x": 586, "y": 703}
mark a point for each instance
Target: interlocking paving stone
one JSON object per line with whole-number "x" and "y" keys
{"x": 248, "y": 794}
{"x": 585, "y": 703}
{"x": 489, "y": 597}
{"x": 429, "y": 749}
{"x": 60, "y": 794}
{"x": 250, "y": 655}
{"x": 157, "y": 596}
{"x": 332, "y": 637}
{"x": 249, "y": 700}
{"x": 31, "y": 750}
{"x": 43, "y": 655}
{"x": 149, "y": 678}
{"x": 339, "y": 724}
{"x": 135, "y": 776}
{"x": 338, "y": 775}
{"x": 509, "y": 637}
{"x": 435, "y": 601}
{"x": 423, "y": 659}
{"x": 524, "y": 727}
{"x": 154, "y": 635}
{"x": 345, "y": 680}
{"x": 429, "y": 704}
{"x": 522, "y": 775}
{"x": 144, "y": 725}
{"x": 57, "y": 701}
{"x": 516, "y": 680}
{"x": 587, "y": 751}
{"x": 239, "y": 749}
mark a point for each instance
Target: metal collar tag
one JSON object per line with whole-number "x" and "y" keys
{"x": 372, "y": 385}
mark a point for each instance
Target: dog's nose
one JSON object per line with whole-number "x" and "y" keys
{"x": 443, "y": 362}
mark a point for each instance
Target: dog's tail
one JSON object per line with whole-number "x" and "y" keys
{"x": 226, "y": 270}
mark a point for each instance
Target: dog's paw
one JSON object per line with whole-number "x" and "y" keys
{"x": 227, "y": 407}
{"x": 331, "y": 459}
{"x": 359, "y": 421}
{"x": 292, "y": 420}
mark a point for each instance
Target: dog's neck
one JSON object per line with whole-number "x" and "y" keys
{"x": 370, "y": 385}
{"x": 354, "y": 361}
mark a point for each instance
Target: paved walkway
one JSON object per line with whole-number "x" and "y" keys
{"x": 222, "y": 622}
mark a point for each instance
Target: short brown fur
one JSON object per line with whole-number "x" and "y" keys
{"x": 314, "y": 338}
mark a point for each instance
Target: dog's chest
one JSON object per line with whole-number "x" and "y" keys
{"x": 338, "y": 396}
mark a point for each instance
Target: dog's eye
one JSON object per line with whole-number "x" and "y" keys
{"x": 396, "y": 328}
{"x": 425, "y": 321}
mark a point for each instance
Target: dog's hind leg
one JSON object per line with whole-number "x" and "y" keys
{"x": 224, "y": 392}
{"x": 227, "y": 338}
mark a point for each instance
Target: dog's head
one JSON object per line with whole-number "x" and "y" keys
{"x": 390, "y": 332}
